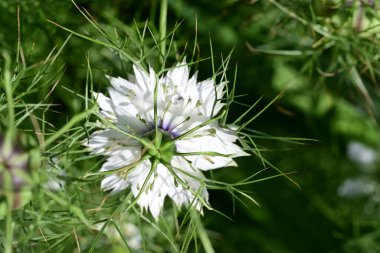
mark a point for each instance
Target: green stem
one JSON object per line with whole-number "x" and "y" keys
{"x": 156, "y": 141}
{"x": 203, "y": 236}
{"x": 128, "y": 249}
{"x": 9, "y": 226}
{"x": 11, "y": 112}
{"x": 8, "y": 92}
{"x": 163, "y": 22}
{"x": 7, "y": 178}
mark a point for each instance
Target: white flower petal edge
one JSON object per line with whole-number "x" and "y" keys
{"x": 182, "y": 104}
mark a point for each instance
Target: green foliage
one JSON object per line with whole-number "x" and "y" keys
{"x": 320, "y": 56}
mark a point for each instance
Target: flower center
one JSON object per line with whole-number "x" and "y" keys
{"x": 160, "y": 145}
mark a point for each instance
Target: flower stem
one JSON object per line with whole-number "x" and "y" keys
{"x": 9, "y": 225}
{"x": 203, "y": 236}
{"x": 163, "y": 21}
{"x": 155, "y": 113}
{"x": 8, "y": 92}
{"x": 7, "y": 178}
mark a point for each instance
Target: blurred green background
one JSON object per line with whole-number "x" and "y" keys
{"x": 324, "y": 57}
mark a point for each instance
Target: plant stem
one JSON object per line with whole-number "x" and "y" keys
{"x": 9, "y": 226}
{"x": 204, "y": 237}
{"x": 8, "y": 92}
{"x": 155, "y": 113}
{"x": 7, "y": 178}
{"x": 163, "y": 21}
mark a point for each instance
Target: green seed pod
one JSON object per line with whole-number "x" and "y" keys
{"x": 160, "y": 145}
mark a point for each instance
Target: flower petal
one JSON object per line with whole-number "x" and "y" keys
{"x": 191, "y": 177}
{"x": 143, "y": 80}
{"x": 153, "y": 195}
{"x": 179, "y": 75}
{"x": 122, "y": 158}
{"x": 115, "y": 183}
{"x": 105, "y": 105}
{"x": 128, "y": 114}
{"x": 217, "y": 141}
{"x": 109, "y": 141}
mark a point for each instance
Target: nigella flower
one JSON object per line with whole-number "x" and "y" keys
{"x": 162, "y": 132}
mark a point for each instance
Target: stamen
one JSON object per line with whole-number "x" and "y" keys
{"x": 209, "y": 159}
{"x": 184, "y": 121}
{"x": 166, "y": 109}
{"x": 165, "y": 88}
{"x": 140, "y": 118}
{"x": 177, "y": 99}
{"x": 212, "y": 132}
{"x": 130, "y": 94}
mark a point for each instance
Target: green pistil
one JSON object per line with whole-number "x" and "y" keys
{"x": 160, "y": 146}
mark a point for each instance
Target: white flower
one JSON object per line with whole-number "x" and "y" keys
{"x": 360, "y": 153}
{"x": 188, "y": 141}
{"x": 356, "y": 187}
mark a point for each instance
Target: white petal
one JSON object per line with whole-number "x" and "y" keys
{"x": 128, "y": 114}
{"x": 153, "y": 195}
{"x": 159, "y": 189}
{"x": 115, "y": 183}
{"x": 145, "y": 81}
{"x": 123, "y": 86}
{"x": 162, "y": 184}
{"x": 122, "y": 158}
{"x": 137, "y": 178}
{"x": 219, "y": 141}
{"x": 108, "y": 141}
{"x": 191, "y": 177}
{"x": 105, "y": 105}
{"x": 179, "y": 75}
{"x": 208, "y": 95}
{"x": 191, "y": 84}
{"x": 180, "y": 126}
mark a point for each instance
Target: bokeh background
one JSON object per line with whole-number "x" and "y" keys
{"x": 322, "y": 56}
